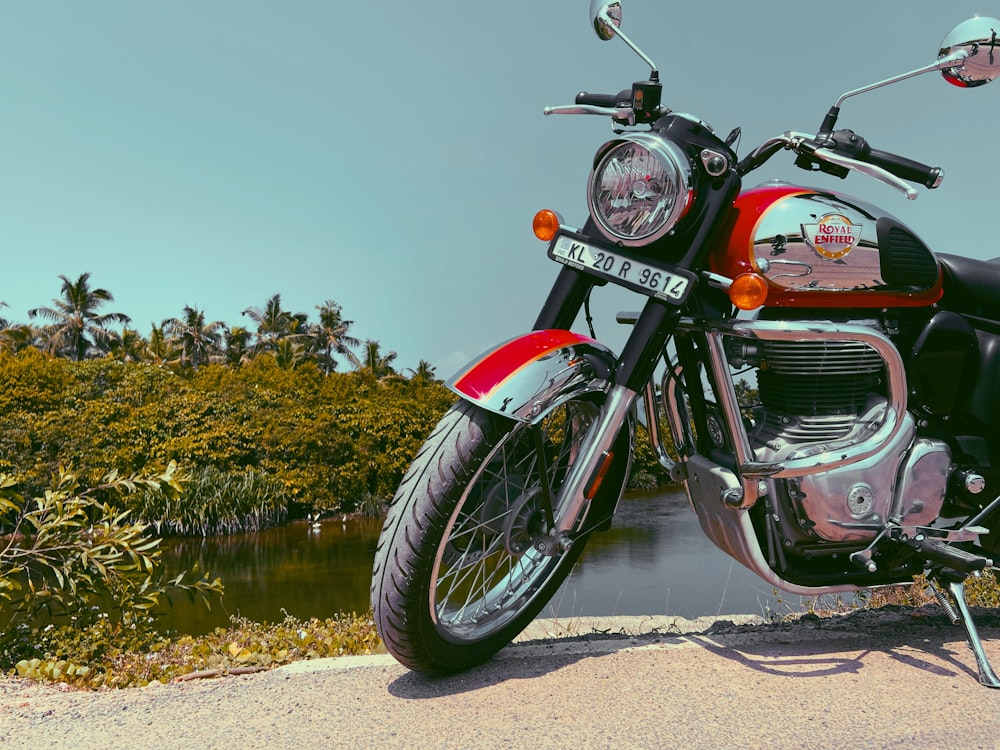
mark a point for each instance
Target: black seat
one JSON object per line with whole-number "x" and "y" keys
{"x": 971, "y": 286}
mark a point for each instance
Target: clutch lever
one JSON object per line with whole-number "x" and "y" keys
{"x": 623, "y": 115}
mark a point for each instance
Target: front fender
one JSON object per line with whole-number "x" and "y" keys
{"x": 521, "y": 378}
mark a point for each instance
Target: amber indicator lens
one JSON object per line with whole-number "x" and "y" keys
{"x": 546, "y": 224}
{"x": 748, "y": 291}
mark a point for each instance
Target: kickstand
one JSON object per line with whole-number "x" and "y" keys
{"x": 956, "y": 589}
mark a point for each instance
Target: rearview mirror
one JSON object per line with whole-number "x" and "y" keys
{"x": 977, "y": 37}
{"x": 606, "y": 17}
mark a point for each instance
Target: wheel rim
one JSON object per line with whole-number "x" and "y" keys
{"x": 487, "y": 569}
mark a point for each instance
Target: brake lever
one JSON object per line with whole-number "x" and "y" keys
{"x": 870, "y": 170}
{"x": 624, "y": 115}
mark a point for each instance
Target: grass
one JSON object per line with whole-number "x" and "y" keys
{"x": 215, "y": 502}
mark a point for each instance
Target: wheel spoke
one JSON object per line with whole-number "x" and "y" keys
{"x": 483, "y": 576}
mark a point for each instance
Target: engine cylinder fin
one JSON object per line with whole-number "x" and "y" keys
{"x": 818, "y": 378}
{"x": 821, "y": 358}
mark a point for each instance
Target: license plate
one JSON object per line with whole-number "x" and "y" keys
{"x": 619, "y": 269}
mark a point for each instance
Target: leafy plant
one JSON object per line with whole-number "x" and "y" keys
{"x": 70, "y": 557}
{"x": 101, "y": 655}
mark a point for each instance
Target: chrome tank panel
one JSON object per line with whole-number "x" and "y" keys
{"x": 821, "y": 249}
{"x": 818, "y": 242}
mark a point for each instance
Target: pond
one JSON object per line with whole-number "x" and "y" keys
{"x": 654, "y": 561}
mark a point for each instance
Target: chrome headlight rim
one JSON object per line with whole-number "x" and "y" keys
{"x": 677, "y": 172}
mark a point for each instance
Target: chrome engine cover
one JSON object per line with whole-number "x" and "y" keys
{"x": 905, "y": 484}
{"x": 834, "y": 405}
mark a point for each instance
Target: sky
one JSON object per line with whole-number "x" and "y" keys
{"x": 389, "y": 155}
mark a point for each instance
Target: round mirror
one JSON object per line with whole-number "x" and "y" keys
{"x": 606, "y": 16}
{"x": 977, "y": 37}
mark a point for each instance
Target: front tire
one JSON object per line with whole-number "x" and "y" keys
{"x": 457, "y": 575}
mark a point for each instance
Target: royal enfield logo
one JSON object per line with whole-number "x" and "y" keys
{"x": 833, "y": 236}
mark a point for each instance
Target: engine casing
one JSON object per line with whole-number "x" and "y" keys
{"x": 817, "y": 397}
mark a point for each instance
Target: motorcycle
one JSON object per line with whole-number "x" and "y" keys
{"x": 873, "y": 448}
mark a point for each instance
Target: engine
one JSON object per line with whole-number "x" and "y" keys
{"x": 822, "y": 395}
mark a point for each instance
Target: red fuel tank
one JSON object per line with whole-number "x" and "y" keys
{"x": 824, "y": 249}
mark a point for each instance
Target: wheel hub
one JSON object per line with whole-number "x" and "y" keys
{"x": 524, "y": 524}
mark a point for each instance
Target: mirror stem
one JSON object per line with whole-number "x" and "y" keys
{"x": 654, "y": 75}
{"x": 945, "y": 62}
{"x": 950, "y": 61}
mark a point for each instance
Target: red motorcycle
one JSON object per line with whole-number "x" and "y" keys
{"x": 870, "y": 456}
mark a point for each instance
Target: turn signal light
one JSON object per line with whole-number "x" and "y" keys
{"x": 546, "y": 224}
{"x": 748, "y": 291}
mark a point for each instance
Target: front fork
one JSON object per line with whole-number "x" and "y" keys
{"x": 634, "y": 369}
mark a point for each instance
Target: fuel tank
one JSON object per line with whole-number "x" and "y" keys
{"x": 823, "y": 249}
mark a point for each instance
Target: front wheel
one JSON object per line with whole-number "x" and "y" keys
{"x": 457, "y": 572}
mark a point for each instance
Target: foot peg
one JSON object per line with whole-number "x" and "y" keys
{"x": 945, "y": 555}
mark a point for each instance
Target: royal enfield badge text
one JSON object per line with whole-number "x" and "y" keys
{"x": 833, "y": 236}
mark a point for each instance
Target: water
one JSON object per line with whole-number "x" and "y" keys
{"x": 654, "y": 561}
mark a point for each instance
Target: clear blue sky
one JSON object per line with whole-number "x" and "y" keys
{"x": 390, "y": 154}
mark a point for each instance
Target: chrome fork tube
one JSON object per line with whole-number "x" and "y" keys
{"x": 593, "y": 453}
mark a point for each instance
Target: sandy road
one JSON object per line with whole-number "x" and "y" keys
{"x": 889, "y": 679}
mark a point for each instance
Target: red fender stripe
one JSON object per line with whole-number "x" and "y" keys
{"x": 497, "y": 366}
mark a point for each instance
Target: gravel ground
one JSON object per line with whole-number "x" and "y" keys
{"x": 890, "y": 678}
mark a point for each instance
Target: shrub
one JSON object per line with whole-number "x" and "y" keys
{"x": 72, "y": 560}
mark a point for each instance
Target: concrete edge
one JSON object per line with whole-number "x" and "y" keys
{"x": 564, "y": 635}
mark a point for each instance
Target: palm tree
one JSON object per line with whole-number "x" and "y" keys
{"x": 15, "y": 338}
{"x": 3, "y": 321}
{"x": 376, "y": 363}
{"x": 159, "y": 347}
{"x": 330, "y": 337}
{"x": 424, "y": 372}
{"x": 199, "y": 341}
{"x": 127, "y": 346}
{"x": 237, "y": 345}
{"x": 77, "y": 327}
{"x": 288, "y": 354}
{"x": 274, "y": 323}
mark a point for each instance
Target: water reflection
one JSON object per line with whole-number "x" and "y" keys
{"x": 654, "y": 561}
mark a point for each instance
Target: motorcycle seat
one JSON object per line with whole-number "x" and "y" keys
{"x": 971, "y": 286}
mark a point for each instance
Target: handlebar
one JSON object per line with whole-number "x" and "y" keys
{"x": 841, "y": 151}
{"x": 904, "y": 168}
{"x": 623, "y": 98}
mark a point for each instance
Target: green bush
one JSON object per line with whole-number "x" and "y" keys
{"x": 71, "y": 560}
{"x": 328, "y": 441}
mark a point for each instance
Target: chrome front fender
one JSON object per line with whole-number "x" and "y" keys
{"x": 524, "y": 377}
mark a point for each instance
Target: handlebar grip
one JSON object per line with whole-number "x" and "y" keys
{"x": 906, "y": 169}
{"x": 603, "y": 100}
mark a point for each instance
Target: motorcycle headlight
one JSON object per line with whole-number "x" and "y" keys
{"x": 639, "y": 189}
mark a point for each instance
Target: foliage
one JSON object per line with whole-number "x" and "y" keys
{"x": 103, "y": 656}
{"x": 981, "y": 590}
{"x": 320, "y": 442}
{"x": 70, "y": 560}
{"x": 647, "y": 473}
{"x": 214, "y": 502}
